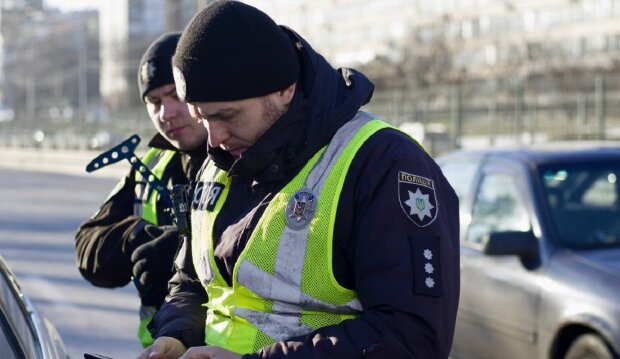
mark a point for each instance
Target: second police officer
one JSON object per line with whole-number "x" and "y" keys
{"x": 131, "y": 235}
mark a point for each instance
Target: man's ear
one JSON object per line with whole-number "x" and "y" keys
{"x": 287, "y": 94}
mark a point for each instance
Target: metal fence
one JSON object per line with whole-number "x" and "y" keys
{"x": 96, "y": 130}
{"x": 480, "y": 113}
{"x": 509, "y": 111}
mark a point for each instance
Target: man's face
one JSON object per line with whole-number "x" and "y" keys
{"x": 234, "y": 126}
{"x": 172, "y": 120}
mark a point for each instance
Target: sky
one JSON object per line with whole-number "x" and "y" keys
{"x": 68, "y": 5}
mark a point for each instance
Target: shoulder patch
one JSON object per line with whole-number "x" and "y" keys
{"x": 416, "y": 195}
{"x": 426, "y": 265}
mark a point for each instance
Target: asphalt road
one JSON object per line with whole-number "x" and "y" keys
{"x": 39, "y": 213}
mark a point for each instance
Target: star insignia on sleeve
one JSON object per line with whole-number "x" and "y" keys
{"x": 428, "y": 268}
{"x": 427, "y": 264}
{"x": 419, "y": 204}
{"x": 429, "y": 282}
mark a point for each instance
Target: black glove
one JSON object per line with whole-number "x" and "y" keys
{"x": 152, "y": 257}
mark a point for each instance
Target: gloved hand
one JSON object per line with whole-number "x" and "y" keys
{"x": 154, "y": 248}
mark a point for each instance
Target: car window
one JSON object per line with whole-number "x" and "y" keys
{"x": 497, "y": 207}
{"x": 9, "y": 348}
{"x": 460, "y": 175}
{"x": 602, "y": 192}
{"x": 583, "y": 199}
{"x": 16, "y": 318}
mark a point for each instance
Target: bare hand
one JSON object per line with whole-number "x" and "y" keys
{"x": 163, "y": 348}
{"x": 209, "y": 352}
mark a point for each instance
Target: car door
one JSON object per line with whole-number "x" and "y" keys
{"x": 499, "y": 296}
{"x": 461, "y": 170}
{"x": 17, "y": 336}
{"x": 24, "y": 333}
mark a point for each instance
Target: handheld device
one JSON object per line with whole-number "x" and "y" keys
{"x": 125, "y": 150}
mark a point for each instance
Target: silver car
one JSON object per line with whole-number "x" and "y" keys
{"x": 540, "y": 252}
{"x": 24, "y": 333}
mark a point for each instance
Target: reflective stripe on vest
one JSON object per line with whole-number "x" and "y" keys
{"x": 146, "y": 316}
{"x": 283, "y": 282}
{"x": 145, "y": 204}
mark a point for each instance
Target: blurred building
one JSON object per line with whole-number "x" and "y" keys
{"x": 481, "y": 37}
{"x": 11, "y": 13}
{"x": 471, "y": 67}
{"x": 510, "y": 65}
{"x": 127, "y": 27}
{"x": 22, "y": 4}
{"x": 347, "y": 31}
{"x": 48, "y": 68}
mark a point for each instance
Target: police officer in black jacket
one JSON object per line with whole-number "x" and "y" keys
{"x": 131, "y": 235}
{"x": 320, "y": 231}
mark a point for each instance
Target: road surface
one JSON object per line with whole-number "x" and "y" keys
{"x": 39, "y": 213}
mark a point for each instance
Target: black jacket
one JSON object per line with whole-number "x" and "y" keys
{"x": 406, "y": 274}
{"x": 101, "y": 247}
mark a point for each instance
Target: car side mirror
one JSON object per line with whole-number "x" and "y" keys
{"x": 522, "y": 244}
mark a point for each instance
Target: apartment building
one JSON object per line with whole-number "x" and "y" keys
{"x": 127, "y": 27}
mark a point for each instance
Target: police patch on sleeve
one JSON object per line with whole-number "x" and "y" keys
{"x": 416, "y": 195}
{"x": 426, "y": 265}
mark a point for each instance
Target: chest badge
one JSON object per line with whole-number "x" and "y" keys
{"x": 300, "y": 209}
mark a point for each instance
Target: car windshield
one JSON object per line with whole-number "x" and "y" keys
{"x": 584, "y": 202}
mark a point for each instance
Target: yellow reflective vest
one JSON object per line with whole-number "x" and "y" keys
{"x": 145, "y": 206}
{"x": 146, "y": 197}
{"x": 283, "y": 283}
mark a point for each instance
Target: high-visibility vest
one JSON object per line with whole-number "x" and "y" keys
{"x": 283, "y": 282}
{"x": 145, "y": 206}
{"x": 146, "y": 197}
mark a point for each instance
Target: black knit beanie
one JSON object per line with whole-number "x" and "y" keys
{"x": 156, "y": 65}
{"x": 232, "y": 51}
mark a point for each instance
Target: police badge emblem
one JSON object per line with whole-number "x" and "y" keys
{"x": 300, "y": 209}
{"x": 416, "y": 195}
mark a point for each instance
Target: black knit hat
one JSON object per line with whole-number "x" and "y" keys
{"x": 156, "y": 65}
{"x": 232, "y": 51}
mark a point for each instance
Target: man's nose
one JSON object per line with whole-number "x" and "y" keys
{"x": 168, "y": 110}
{"x": 217, "y": 133}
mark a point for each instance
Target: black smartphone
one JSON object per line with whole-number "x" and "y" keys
{"x": 95, "y": 356}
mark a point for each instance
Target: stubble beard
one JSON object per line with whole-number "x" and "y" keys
{"x": 271, "y": 113}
